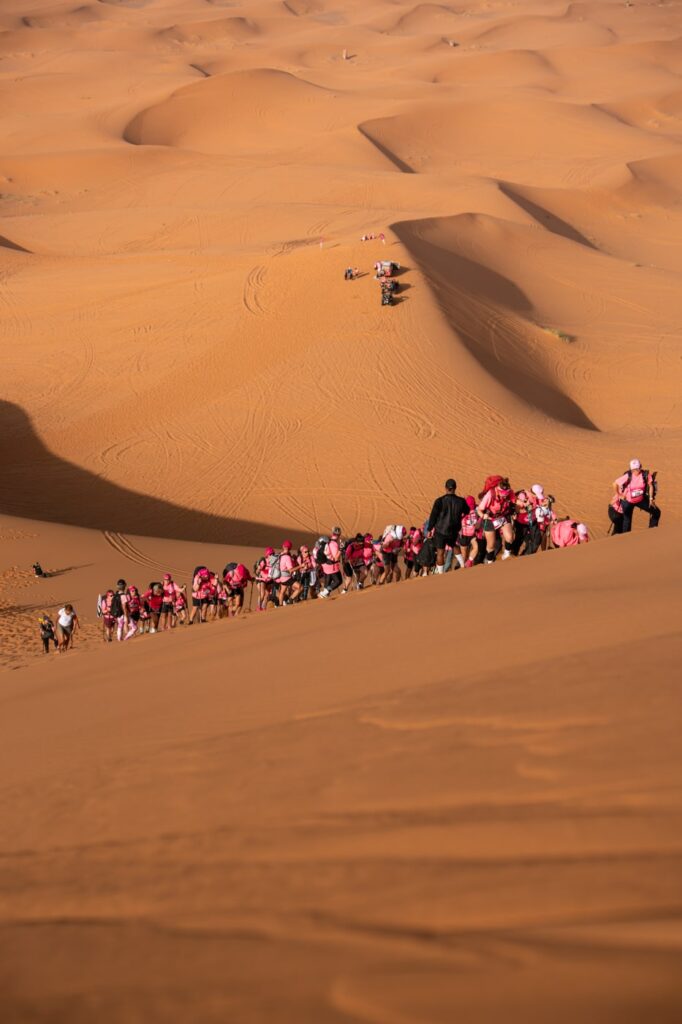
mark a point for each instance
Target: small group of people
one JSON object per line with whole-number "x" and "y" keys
{"x": 459, "y": 533}
{"x": 59, "y": 635}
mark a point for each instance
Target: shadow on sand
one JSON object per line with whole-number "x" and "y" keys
{"x": 37, "y": 484}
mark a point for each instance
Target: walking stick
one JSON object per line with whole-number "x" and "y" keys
{"x": 251, "y": 596}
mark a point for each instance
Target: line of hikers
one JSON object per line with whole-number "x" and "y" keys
{"x": 460, "y": 532}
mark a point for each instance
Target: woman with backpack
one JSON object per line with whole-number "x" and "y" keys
{"x": 566, "y": 533}
{"x": 329, "y": 560}
{"x": 201, "y": 580}
{"x": 135, "y": 609}
{"x": 306, "y": 573}
{"x": 262, "y": 576}
{"x": 170, "y": 592}
{"x": 636, "y": 488}
{"x": 288, "y": 585}
{"x": 153, "y": 598}
{"x": 414, "y": 542}
{"x": 236, "y": 580}
{"x": 496, "y": 506}
{"x": 467, "y": 541}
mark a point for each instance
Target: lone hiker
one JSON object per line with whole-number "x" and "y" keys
{"x": 445, "y": 521}
{"x": 636, "y": 488}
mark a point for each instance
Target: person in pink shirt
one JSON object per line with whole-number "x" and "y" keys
{"x": 567, "y": 533}
{"x": 288, "y": 584}
{"x": 414, "y": 542}
{"x": 496, "y": 507}
{"x": 262, "y": 572}
{"x": 467, "y": 540}
{"x": 329, "y": 560}
{"x": 170, "y": 595}
{"x": 636, "y": 488}
{"x": 354, "y": 565}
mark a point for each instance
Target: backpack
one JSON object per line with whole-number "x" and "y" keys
{"x": 134, "y": 601}
{"x": 116, "y": 609}
{"x": 99, "y": 606}
{"x": 320, "y": 554}
{"x": 274, "y": 571}
{"x": 427, "y": 556}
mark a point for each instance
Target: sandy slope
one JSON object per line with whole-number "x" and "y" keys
{"x": 318, "y": 816}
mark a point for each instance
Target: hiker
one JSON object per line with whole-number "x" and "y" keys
{"x": 467, "y": 540}
{"x": 136, "y": 612}
{"x": 445, "y": 521}
{"x": 306, "y": 571}
{"x": 38, "y": 570}
{"x": 616, "y": 514}
{"x": 353, "y": 563}
{"x": 153, "y": 598}
{"x": 636, "y": 488}
{"x": 496, "y": 506}
{"x": 522, "y": 512}
{"x": 201, "y": 591}
{"x": 262, "y": 577}
{"x": 540, "y": 518}
{"x": 289, "y": 588}
{"x": 67, "y": 624}
{"x": 120, "y": 608}
{"x": 391, "y": 545}
{"x": 236, "y": 581}
{"x": 181, "y": 604}
{"x": 329, "y": 561}
{"x": 414, "y": 542}
{"x": 46, "y": 627}
{"x": 170, "y": 592}
{"x": 566, "y": 533}
{"x": 106, "y": 610}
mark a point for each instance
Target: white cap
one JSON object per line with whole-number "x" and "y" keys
{"x": 538, "y": 490}
{"x": 635, "y": 464}
{"x": 582, "y": 530}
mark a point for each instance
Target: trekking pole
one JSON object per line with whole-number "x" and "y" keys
{"x": 251, "y": 596}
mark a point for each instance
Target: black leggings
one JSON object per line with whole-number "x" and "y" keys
{"x": 616, "y": 520}
{"x": 628, "y": 509}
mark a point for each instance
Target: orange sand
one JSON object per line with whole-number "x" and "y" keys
{"x": 458, "y": 799}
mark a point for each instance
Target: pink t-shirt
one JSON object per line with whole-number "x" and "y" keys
{"x": 636, "y": 489}
{"x": 564, "y": 534}
{"x": 286, "y": 566}
{"x": 333, "y": 563}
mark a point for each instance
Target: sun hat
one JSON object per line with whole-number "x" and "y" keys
{"x": 635, "y": 464}
{"x": 538, "y": 491}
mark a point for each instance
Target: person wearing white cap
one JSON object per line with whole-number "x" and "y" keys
{"x": 636, "y": 488}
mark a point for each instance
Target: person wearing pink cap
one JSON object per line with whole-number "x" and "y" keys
{"x": 262, "y": 576}
{"x": 467, "y": 541}
{"x": 170, "y": 594}
{"x": 567, "y": 533}
{"x": 636, "y": 488}
{"x": 288, "y": 586}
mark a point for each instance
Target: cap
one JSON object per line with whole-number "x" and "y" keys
{"x": 538, "y": 491}
{"x": 635, "y": 464}
{"x": 287, "y": 545}
{"x": 471, "y": 502}
{"x": 450, "y": 484}
{"x": 269, "y": 551}
{"x": 122, "y": 583}
{"x": 336, "y": 531}
{"x": 368, "y": 538}
{"x": 166, "y": 575}
{"x": 582, "y": 530}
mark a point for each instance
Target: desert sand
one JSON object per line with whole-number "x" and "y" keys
{"x": 453, "y": 799}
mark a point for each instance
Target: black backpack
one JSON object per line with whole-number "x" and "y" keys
{"x": 427, "y": 556}
{"x": 116, "y": 608}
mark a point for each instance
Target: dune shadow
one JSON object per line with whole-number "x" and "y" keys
{"x": 7, "y": 243}
{"x": 38, "y": 484}
{"x": 464, "y": 289}
{"x": 543, "y": 216}
{"x": 49, "y": 575}
{"x": 385, "y": 151}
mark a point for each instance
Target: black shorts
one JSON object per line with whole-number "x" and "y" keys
{"x": 390, "y": 559}
{"x": 347, "y": 569}
{"x": 444, "y": 540}
{"x": 235, "y": 592}
{"x": 199, "y": 602}
{"x": 167, "y": 608}
{"x": 464, "y": 542}
{"x": 409, "y": 563}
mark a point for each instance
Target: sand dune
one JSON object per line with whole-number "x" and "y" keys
{"x": 452, "y": 798}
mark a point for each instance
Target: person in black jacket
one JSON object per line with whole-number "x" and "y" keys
{"x": 445, "y": 521}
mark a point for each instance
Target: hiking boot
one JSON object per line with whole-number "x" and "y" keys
{"x": 505, "y": 554}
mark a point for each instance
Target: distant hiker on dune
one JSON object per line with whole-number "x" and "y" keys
{"x": 46, "y": 627}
